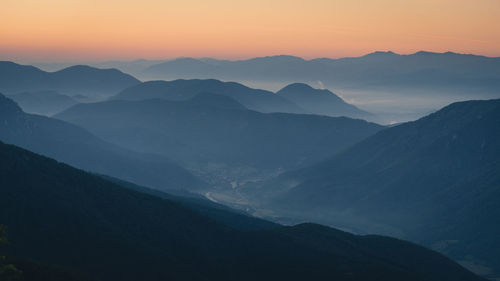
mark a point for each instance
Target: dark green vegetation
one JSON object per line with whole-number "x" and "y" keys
{"x": 71, "y": 219}
{"x": 217, "y": 129}
{"x": 73, "y": 145}
{"x": 74, "y": 80}
{"x": 43, "y": 102}
{"x": 8, "y": 272}
{"x": 179, "y": 90}
{"x": 22, "y": 270}
{"x": 322, "y": 102}
{"x": 435, "y": 181}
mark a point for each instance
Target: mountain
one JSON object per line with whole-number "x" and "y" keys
{"x": 74, "y": 80}
{"x": 43, "y": 102}
{"x": 259, "y": 100}
{"x": 76, "y": 146}
{"x": 322, "y": 102}
{"x": 435, "y": 181}
{"x": 215, "y": 135}
{"x": 397, "y": 88}
{"x": 273, "y": 68}
{"x": 220, "y": 213}
{"x": 445, "y": 72}
{"x": 65, "y": 217}
{"x": 132, "y": 67}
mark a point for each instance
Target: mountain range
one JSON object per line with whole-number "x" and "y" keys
{"x": 48, "y": 93}
{"x": 294, "y": 98}
{"x": 396, "y": 87}
{"x": 64, "y": 217}
{"x": 76, "y": 146}
{"x": 71, "y": 81}
{"x": 260, "y": 100}
{"x": 295, "y": 155}
{"x": 211, "y": 131}
{"x": 435, "y": 181}
{"x": 445, "y": 72}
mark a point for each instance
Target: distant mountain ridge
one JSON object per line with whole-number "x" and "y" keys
{"x": 382, "y": 82}
{"x": 398, "y": 88}
{"x": 76, "y": 146}
{"x": 295, "y": 98}
{"x": 177, "y": 90}
{"x": 423, "y": 73}
{"x": 371, "y": 69}
{"x": 74, "y": 80}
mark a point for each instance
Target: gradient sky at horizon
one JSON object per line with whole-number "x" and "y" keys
{"x": 76, "y": 30}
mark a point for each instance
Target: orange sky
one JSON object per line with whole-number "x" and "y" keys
{"x": 70, "y": 30}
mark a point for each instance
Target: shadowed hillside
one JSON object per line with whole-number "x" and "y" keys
{"x": 63, "y": 216}
{"x": 76, "y": 146}
{"x": 436, "y": 180}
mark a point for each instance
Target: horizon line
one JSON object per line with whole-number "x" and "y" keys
{"x": 240, "y": 59}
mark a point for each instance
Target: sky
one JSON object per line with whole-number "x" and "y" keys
{"x": 96, "y": 30}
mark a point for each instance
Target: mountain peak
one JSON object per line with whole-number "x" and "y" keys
{"x": 297, "y": 87}
{"x": 425, "y": 53}
{"x": 381, "y": 54}
{"x": 305, "y": 89}
{"x": 320, "y": 101}
{"x": 278, "y": 58}
{"x": 428, "y": 53}
{"x": 80, "y": 68}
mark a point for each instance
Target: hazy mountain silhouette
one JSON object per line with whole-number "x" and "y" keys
{"x": 323, "y": 102}
{"x": 268, "y": 68}
{"x": 74, "y": 80}
{"x": 76, "y": 146}
{"x": 259, "y": 100}
{"x": 213, "y": 128}
{"x": 436, "y": 179}
{"x": 132, "y": 67}
{"x": 43, "y": 102}
{"x": 63, "y": 216}
{"x": 447, "y": 73}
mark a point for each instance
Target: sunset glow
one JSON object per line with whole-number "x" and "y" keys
{"x": 69, "y": 30}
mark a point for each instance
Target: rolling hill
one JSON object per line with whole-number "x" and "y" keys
{"x": 76, "y": 146}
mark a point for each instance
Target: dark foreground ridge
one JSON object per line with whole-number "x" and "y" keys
{"x": 65, "y": 217}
